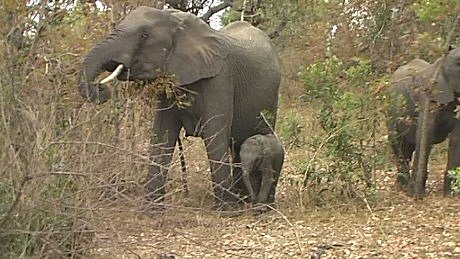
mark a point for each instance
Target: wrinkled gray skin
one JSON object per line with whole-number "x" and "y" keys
{"x": 234, "y": 72}
{"x": 262, "y": 158}
{"x": 408, "y": 84}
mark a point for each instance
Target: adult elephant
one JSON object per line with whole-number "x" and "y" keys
{"x": 414, "y": 86}
{"x": 234, "y": 72}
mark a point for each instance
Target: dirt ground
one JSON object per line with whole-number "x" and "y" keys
{"x": 397, "y": 227}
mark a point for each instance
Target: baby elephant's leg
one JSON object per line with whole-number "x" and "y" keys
{"x": 268, "y": 179}
{"x": 277, "y": 164}
{"x": 248, "y": 183}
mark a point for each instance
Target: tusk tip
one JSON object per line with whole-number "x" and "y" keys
{"x": 112, "y": 76}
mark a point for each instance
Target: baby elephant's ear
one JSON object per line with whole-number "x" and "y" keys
{"x": 199, "y": 51}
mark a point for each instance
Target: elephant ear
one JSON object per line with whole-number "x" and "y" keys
{"x": 441, "y": 92}
{"x": 198, "y": 52}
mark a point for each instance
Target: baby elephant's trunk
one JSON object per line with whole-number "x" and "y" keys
{"x": 247, "y": 182}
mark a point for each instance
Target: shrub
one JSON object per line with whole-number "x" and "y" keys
{"x": 41, "y": 199}
{"x": 291, "y": 129}
{"x": 46, "y": 224}
{"x": 455, "y": 174}
{"x": 229, "y": 16}
{"x": 348, "y": 116}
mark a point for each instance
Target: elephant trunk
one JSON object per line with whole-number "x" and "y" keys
{"x": 93, "y": 65}
{"x": 247, "y": 169}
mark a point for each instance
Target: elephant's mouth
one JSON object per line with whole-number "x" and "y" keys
{"x": 118, "y": 70}
{"x": 123, "y": 73}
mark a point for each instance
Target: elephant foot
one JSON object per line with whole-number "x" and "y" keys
{"x": 154, "y": 197}
{"x": 155, "y": 191}
{"x": 154, "y": 202}
{"x": 406, "y": 183}
{"x": 244, "y": 199}
{"x": 261, "y": 208}
{"x": 152, "y": 209}
{"x": 228, "y": 209}
{"x": 418, "y": 191}
{"x": 412, "y": 191}
{"x": 230, "y": 214}
{"x": 402, "y": 182}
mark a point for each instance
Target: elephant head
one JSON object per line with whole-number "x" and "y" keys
{"x": 149, "y": 40}
{"x": 447, "y": 85}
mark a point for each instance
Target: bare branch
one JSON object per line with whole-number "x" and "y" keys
{"x": 44, "y": 174}
{"x": 242, "y": 11}
{"x": 215, "y": 9}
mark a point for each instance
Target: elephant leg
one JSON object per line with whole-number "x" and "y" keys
{"x": 399, "y": 131}
{"x": 256, "y": 179}
{"x": 277, "y": 166}
{"x": 402, "y": 150}
{"x": 266, "y": 184}
{"x": 165, "y": 134}
{"x": 271, "y": 195}
{"x": 247, "y": 182}
{"x": 453, "y": 157}
{"x": 238, "y": 185}
{"x": 217, "y": 148}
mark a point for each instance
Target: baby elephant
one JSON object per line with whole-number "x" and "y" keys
{"x": 261, "y": 161}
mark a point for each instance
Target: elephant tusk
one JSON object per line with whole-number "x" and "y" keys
{"x": 112, "y": 76}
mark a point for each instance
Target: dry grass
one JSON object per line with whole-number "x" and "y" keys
{"x": 394, "y": 230}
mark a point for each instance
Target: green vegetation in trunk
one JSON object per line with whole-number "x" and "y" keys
{"x": 164, "y": 87}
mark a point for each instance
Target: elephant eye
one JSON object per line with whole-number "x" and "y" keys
{"x": 144, "y": 35}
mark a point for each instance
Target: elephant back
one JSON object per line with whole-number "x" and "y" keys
{"x": 247, "y": 36}
{"x": 409, "y": 70}
{"x": 419, "y": 76}
{"x": 407, "y": 79}
{"x": 404, "y": 81}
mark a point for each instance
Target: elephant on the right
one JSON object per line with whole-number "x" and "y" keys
{"x": 411, "y": 84}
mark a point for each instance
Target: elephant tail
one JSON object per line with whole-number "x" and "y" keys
{"x": 182, "y": 165}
